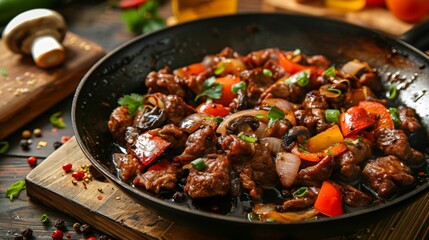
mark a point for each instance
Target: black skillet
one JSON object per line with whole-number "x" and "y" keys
{"x": 123, "y": 71}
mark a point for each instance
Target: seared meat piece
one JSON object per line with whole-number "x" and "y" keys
{"x": 260, "y": 58}
{"x": 395, "y": 142}
{"x": 128, "y": 165}
{"x": 150, "y": 118}
{"x": 235, "y": 148}
{"x": 214, "y": 180}
{"x": 371, "y": 80}
{"x": 199, "y": 144}
{"x": 299, "y": 203}
{"x": 278, "y": 128}
{"x": 313, "y": 119}
{"x": 318, "y": 61}
{"x": 358, "y": 150}
{"x": 164, "y": 82}
{"x": 314, "y": 99}
{"x": 386, "y": 174}
{"x": 256, "y": 82}
{"x": 119, "y": 120}
{"x": 241, "y": 102}
{"x": 313, "y": 176}
{"x": 162, "y": 175}
{"x": 131, "y": 135}
{"x": 290, "y": 92}
{"x": 356, "y": 198}
{"x": 175, "y": 108}
{"x": 172, "y": 134}
{"x": 408, "y": 118}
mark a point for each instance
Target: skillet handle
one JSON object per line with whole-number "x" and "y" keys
{"x": 418, "y": 36}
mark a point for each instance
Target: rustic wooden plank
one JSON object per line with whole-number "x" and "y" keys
{"x": 27, "y": 91}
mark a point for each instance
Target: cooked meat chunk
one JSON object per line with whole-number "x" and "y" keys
{"x": 119, "y": 120}
{"x": 214, "y": 180}
{"x": 386, "y": 174}
{"x": 356, "y": 198}
{"x": 371, "y": 80}
{"x": 256, "y": 82}
{"x": 161, "y": 176}
{"x": 199, "y": 144}
{"x": 173, "y": 135}
{"x": 290, "y": 92}
{"x": 314, "y": 175}
{"x": 318, "y": 61}
{"x": 314, "y": 99}
{"x": 164, "y": 82}
{"x": 176, "y": 109}
{"x": 299, "y": 203}
{"x": 313, "y": 119}
{"x": 278, "y": 128}
{"x": 408, "y": 119}
{"x": 395, "y": 142}
{"x": 128, "y": 165}
{"x": 260, "y": 58}
{"x": 358, "y": 150}
{"x": 235, "y": 148}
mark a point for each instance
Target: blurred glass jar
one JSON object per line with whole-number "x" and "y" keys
{"x": 346, "y": 5}
{"x": 186, "y": 10}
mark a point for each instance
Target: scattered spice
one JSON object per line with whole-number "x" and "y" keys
{"x": 84, "y": 184}
{"x": 27, "y": 233}
{"x": 57, "y": 145}
{"x": 76, "y": 227}
{"x": 25, "y": 144}
{"x": 99, "y": 197}
{"x": 100, "y": 190}
{"x": 57, "y": 120}
{"x": 67, "y": 167}
{"x": 64, "y": 139}
{"x": 44, "y": 218}
{"x": 59, "y": 224}
{"x": 4, "y": 147}
{"x": 42, "y": 144}
{"x": 85, "y": 228}
{"x": 57, "y": 235}
{"x": 32, "y": 161}
{"x": 14, "y": 189}
{"x": 26, "y": 134}
{"x": 78, "y": 175}
{"x": 74, "y": 182}
{"x": 37, "y": 132}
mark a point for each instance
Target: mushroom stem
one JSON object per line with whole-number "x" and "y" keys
{"x": 47, "y": 52}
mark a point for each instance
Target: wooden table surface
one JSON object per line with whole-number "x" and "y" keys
{"x": 100, "y": 23}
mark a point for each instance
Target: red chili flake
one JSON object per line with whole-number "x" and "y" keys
{"x": 57, "y": 234}
{"x": 84, "y": 184}
{"x": 78, "y": 175}
{"x": 64, "y": 139}
{"x": 91, "y": 238}
{"x": 99, "y": 197}
{"x": 67, "y": 167}
{"x": 32, "y": 161}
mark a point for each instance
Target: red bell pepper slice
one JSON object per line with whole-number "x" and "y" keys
{"x": 213, "y": 109}
{"x": 227, "y": 94}
{"x": 288, "y": 65}
{"x": 354, "y": 120}
{"x": 329, "y": 201}
{"x": 308, "y": 156}
{"x": 379, "y": 113}
{"x": 191, "y": 70}
{"x": 148, "y": 147}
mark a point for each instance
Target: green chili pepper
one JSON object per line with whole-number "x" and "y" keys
{"x": 44, "y": 218}
{"x": 332, "y": 115}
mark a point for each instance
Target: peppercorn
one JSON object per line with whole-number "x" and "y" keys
{"x": 59, "y": 224}
{"x": 37, "y": 132}
{"x": 26, "y": 134}
{"x": 76, "y": 227}
{"x": 57, "y": 145}
{"x": 27, "y": 233}
{"x": 25, "y": 144}
{"x": 85, "y": 228}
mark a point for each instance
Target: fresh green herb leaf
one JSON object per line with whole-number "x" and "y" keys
{"x": 301, "y": 192}
{"x": 220, "y": 68}
{"x": 300, "y": 78}
{"x": 14, "y": 189}
{"x": 392, "y": 92}
{"x": 199, "y": 164}
{"x": 57, "y": 120}
{"x": 143, "y": 19}
{"x": 238, "y": 86}
{"x": 4, "y": 72}
{"x": 267, "y": 72}
{"x": 210, "y": 89}
{"x": 330, "y": 72}
{"x": 275, "y": 113}
{"x": 44, "y": 218}
{"x": 134, "y": 102}
{"x": 4, "y": 147}
{"x": 332, "y": 115}
{"x": 334, "y": 90}
{"x": 247, "y": 138}
{"x": 394, "y": 113}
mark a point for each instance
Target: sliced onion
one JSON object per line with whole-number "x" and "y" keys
{"x": 261, "y": 131}
{"x": 279, "y": 103}
{"x": 192, "y": 122}
{"x": 287, "y": 166}
{"x": 155, "y": 101}
{"x": 272, "y": 143}
{"x": 354, "y": 67}
{"x": 329, "y": 94}
{"x": 267, "y": 211}
{"x": 248, "y": 112}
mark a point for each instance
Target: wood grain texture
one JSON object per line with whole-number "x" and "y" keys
{"x": 27, "y": 91}
{"x": 112, "y": 212}
{"x": 377, "y": 18}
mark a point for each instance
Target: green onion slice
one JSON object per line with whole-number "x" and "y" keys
{"x": 394, "y": 113}
{"x": 220, "y": 68}
{"x": 199, "y": 164}
{"x": 302, "y": 148}
{"x": 238, "y": 86}
{"x": 217, "y": 119}
{"x": 332, "y": 115}
{"x": 253, "y": 217}
{"x": 56, "y": 120}
{"x": 338, "y": 91}
{"x": 301, "y": 78}
{"x": 275, "y": 113}
{"x": 392, "y": 92}
{"x": 260, "y": 116}
{"x": 44, "y": 218}
{"x": 301, "y": 192}
{"x": 267, "y": 72}
{"x": 247, "y": 138}
{"x": 4, "y": 147}
{"x": 330, "y": 72}
{"x": 14, "y": 189}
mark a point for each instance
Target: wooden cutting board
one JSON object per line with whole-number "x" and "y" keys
{"x": 26, "y": 90}
{"x": 377, "y": 18}
{"x": 106, "y": 208}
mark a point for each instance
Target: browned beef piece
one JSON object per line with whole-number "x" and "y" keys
{"x": 318, "y": 61}
{"x": 314, "y": 99}
{"x": 199, "y": 144}
{"x": 172, "y": 134}
{"x": 161, "y": 176}
{"x": 256, "y": 82}
{"x": 290, "y": 92}
{"x": 353, "y": 197}
{"x": 175, "y": 108}
{"x": 128, "y": 165}
{"x": 299, "y": 203}
{"x": 386, "y": 174}
{"x": 259, "y": 58}
{"x": 313, "y": 119}
{"x": 236, "y": 148}
{"x": 371, "y": 80}
{"x": 409, "y": 119}
{"x": 214, "y": 180}
{"x": 358, "y": 150}
{"x": 165, "y": 82}
{"x": 119, "y": 120}
{"x": 314, "y": 175}
{"x": 395, "y": 142}
{"x": 278, "y": 128}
